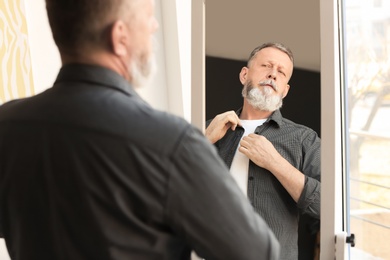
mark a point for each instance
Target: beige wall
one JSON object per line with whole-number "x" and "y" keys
{"x": 16, "y": 79}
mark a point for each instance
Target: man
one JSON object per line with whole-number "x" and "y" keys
{"x": 275, "y": 161}
{"x": 88, "y": 170}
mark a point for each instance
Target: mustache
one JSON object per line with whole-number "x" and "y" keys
{"x": 269, "y": 83}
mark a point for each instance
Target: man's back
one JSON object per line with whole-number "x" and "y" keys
{"x": 89, "y": 171}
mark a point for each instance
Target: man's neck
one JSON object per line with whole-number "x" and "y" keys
{"x": 249, "y": 113}
{"x": 98, "y": 58}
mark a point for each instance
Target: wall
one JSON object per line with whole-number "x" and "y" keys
{"x": 16, "y": 74}
{"x": 44, "y": 54}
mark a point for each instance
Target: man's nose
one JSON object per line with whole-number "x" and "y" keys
{"x": 272, "y": 75}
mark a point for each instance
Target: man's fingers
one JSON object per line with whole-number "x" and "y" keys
{"x": 221, "y": 124}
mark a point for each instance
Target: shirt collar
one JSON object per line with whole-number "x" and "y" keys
{"x": 276, "y": 116}
{"x": 94, "y": 74}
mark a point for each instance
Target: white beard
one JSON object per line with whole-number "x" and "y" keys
{"x": 142, "y": 73}
{"x": 261, "y": 99}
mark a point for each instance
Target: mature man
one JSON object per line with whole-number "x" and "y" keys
{"x": 275, "y": 161}
{"x": 88, "y": 170}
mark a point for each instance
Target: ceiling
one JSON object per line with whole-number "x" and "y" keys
{"x": 235, "y": 27}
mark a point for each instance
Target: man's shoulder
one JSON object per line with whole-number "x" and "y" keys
{"x": 157, "y": 128}
{"x": 290, "y": 123}
{"x": 168, "y": 122}
{"x": 297, "y": 128}
{"x": 8, "y": 109}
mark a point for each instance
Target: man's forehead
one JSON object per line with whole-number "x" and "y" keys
{"x": 271, "y": 53}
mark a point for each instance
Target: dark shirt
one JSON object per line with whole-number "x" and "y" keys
{"x": 300, "y": 146}
{"x": 88, "y": 170}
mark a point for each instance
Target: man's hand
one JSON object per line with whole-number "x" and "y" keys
{"x": 262, "y": 152}
{"x": 220, "y": 124}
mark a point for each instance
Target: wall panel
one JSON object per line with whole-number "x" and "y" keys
{"x": 16, "y": 78}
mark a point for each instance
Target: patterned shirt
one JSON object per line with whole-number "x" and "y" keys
{"x": 300, "y": 146}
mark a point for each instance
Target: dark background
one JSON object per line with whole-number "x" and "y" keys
{"x": 223, "y": 92}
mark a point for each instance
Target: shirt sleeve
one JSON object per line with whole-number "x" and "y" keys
{"x": 206, "y": 207}
{"x": 309, "y": 202}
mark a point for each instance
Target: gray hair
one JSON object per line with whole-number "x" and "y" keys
{"x": 275, "y": 45}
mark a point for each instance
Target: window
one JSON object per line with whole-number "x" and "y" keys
{"x": 367, "y": 109}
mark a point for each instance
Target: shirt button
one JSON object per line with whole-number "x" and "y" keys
{"x": 251, "y": 178}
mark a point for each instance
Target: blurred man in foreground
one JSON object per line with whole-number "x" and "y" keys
{"x": 88, "y": 170}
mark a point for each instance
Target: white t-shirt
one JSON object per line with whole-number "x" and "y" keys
{"x": 240, "y": 164}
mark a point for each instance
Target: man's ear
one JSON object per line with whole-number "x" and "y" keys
{"x": 119, "y": 37}
{"x": 285, "y": 92}
{"x": 243, "y": 74}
